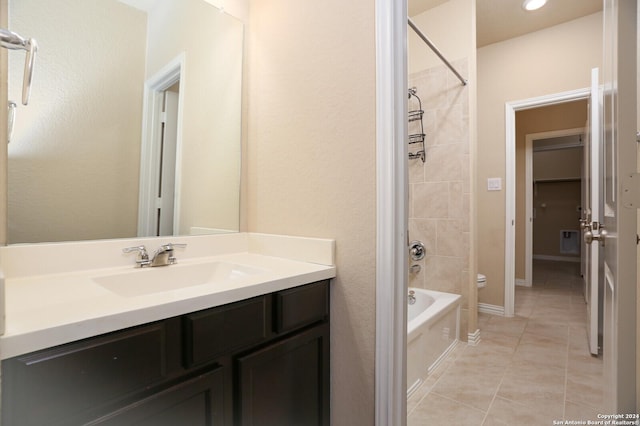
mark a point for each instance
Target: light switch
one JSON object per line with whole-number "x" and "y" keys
{"x": 494, "y": 184}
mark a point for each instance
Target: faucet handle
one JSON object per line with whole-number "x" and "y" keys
{"x": 168, "y": 249}
{"x": 142, "y": 250}
{"x": 175, "y": 245}
{"x": 143, "y": 256}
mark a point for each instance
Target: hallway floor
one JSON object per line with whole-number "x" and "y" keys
{"x": 531, "y": 369}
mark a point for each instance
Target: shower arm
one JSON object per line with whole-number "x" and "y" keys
{"x": 11, "y": 40}
{"x": 435, "y": 50}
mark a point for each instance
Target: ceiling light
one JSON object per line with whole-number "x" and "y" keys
{"x": 533, "y": 4}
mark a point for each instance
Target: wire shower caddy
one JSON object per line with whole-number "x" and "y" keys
{"x": 415, "y": 123}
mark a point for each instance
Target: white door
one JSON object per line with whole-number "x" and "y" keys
{"x": 621, "y": 196}
{"x": 167, "y": 166}
{"x": 591, "y": 215}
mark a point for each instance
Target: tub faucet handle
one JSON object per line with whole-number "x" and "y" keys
{"x": 417, "y": 250}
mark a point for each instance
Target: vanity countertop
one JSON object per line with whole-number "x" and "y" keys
{"x": 49, "y": 309}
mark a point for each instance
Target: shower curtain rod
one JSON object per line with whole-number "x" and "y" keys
{"x": 436, "y": 51}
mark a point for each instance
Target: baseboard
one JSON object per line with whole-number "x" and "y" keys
{"x": 523, "y": 283}
{"x": 556, "y": 258}
{"x": 486, "y": 308}
{"x": 414, "y": 387}
{"x": 473, "y": 338}
{"x": 442, "y": 357}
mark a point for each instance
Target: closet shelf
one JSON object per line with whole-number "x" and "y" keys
{"x": 556, "y": 180}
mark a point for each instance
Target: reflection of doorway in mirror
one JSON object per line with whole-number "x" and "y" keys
{"x": 166, "y": 173}
{"x": 158, "y": 212}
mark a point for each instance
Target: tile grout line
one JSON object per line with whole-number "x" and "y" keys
{"x": 504, "y": 371}
{"x": 566, "y": 374}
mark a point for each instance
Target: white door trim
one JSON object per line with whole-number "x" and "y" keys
{"x": 149, "y": 152}
{"x": 510, "y": 181}
{"x": 391, "y": 212}
{"x": 529, "y": 138}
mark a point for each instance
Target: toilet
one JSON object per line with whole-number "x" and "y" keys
{"x": 482, "y": 281}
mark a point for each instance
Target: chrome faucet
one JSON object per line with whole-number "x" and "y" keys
{"x": 412, "y": 297}
{"x": 162, "y": 257}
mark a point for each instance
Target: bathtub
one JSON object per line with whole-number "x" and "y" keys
{"x": 433, "y": 330}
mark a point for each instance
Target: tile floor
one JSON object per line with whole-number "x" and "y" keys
{"x": 531, "y": 369}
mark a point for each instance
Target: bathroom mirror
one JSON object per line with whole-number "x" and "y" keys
{"x": 134, "y": 123}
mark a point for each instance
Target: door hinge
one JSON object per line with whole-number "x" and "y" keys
{"x": 631, "y": 190}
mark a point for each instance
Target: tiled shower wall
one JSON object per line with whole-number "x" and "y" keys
{"x": 440, "y": 188}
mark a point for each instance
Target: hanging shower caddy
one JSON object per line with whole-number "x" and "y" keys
{"x": 416, "y": 128}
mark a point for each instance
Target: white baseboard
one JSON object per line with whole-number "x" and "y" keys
{"x": 473, "y": 338}
{"x": 443, "y": 356}
{"x": 486, "y": 308}
{"x": 557, "y": 258}
{"x": 523, "y": 283}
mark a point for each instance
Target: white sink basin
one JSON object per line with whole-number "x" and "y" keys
{"x": 143, "y": 281}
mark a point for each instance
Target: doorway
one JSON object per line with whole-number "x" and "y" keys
{"x": 158, "y": 212}
{"x": 552, "y": 180}
{"x": 530, "y": 116}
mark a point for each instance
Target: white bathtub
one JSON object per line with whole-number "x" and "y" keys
{"x": 433, "y": 329}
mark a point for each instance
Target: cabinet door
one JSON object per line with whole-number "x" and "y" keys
{"x": 195, "y": 402}
{"x": 70, "y": 383}
{"x": 286, "y": 383}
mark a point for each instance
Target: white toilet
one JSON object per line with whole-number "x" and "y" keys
{"x": 482, "y": 281}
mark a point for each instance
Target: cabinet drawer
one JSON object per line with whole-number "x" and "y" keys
{"x": 54, "y": 385}
{"x": 300, "y": 306}
{"x": 225, "y": 329}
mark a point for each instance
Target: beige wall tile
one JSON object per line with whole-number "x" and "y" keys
{"x": 424, "y": 230}
{"x": 449, "y": 238}
{"x": 431, "y": 200}
{"x": 443, "y": 163}
{"x": 455, "y": 201}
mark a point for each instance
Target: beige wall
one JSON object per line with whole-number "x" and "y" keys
{"x": 212, "y": 86}
{"x": 569, "y": 115}
{"x": 555, "y": 204}
{"x": 75, "y": 151}
{"x": 558, "y": 164}
{"x": 451, "y": 28}
{"x": 311, "y": 163}
{"x": 440, "y": 195}
{"x": 550, "y": 61}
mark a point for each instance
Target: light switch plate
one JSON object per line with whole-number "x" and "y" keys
{"x": 494, "y": 184}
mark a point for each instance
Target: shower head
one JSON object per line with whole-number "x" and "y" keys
{"x": 412, "y": 91}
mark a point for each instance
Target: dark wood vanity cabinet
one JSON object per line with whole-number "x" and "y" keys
{"x": 286, "y": 383}
{"x": 262, "y": 361}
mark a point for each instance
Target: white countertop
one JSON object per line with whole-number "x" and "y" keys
{"x": 50, "y": 309}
